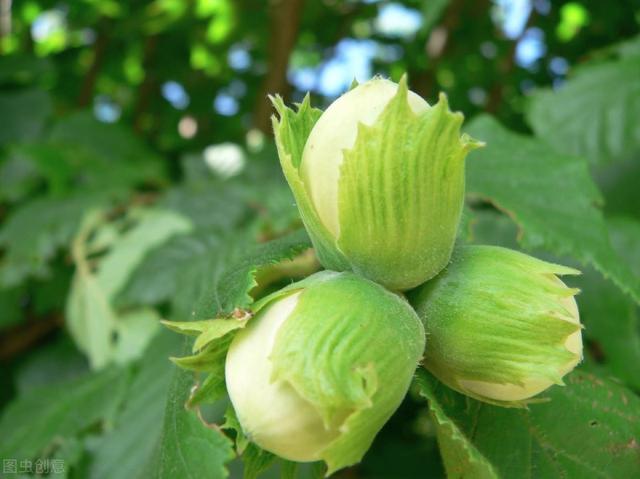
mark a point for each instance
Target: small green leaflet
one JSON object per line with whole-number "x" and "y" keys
{"x": 549, "y": 195}
{"x": 254, "y": 459}
{"x": 589, "y": 428}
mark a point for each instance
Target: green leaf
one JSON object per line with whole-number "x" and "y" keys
{"x": 256, "y": 461}
{"x": 210, "y": 359}
{"x": 625, "y": 236}
{"x": 211, "y": 205}
{"x": 401, "y": 453}
{"x": 213, "y": 387}
{"x": 187, "y": 448}
{"x": 211, "y": 346}
{"x": 91, "y": 317}
{"x": 11, "y": 301}
{"x": 205, "y": 274}
{"x": 549, "y": 195}
{"x": 232, "y": 423}
{"x": 619, "y": 185}
{"x": 460, "y": 456}
{"x": 169, "y": 267}
{"x": 611, "y": 319}
{"x": 34, "y": 233}
{"x": 24, "y": 113}
{"x": 208, "y": 330}
{"x": 152, "y": 227}
{"x": 594, "y": 114}
{"x": 125, "y": 449}
{"x": 18, "y": 177}
{"x": 23, "y": 69}
{"x": 52, "y": 364}
{"x": 68, "y": 165}
{"x": 238, "y": 276}
{"x": 491, "y": 227}
{"x": 108, "y": 154}
{"x": 34, "y": 421}
{"x": 55, "y": 166}
{"x": 134, "y": 330}
{"x": 628, "y": 48}
{"x": 589, "y": 428}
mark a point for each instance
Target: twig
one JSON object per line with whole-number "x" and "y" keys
{"x": 147, "y": 86}
{"x": 99, "y": 50}
{"x": 505, "y": 68}
{"x": 284, "y": 26}
{"x": 23, "y": 337}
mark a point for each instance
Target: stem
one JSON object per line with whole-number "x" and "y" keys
{"x": 147, "y": 86}
{"x": 23, "y": 337}
{"x": 99, "y": 50}
{"x": 285, "y": 24}
{"x": 505, "y": 68}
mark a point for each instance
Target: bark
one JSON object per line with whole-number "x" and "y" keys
{"x": 284, "y": 26}
{"x": 146, "y": 89}
{"x": 99, "y": 51}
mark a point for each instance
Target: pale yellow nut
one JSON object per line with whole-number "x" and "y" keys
{"x": 271, "y": 413}
{"x": 335, "y": 131}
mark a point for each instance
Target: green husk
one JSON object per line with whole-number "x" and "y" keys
{"x": 350, "y": 348}
{"x": 401, "y": 193}
{"x": 496, "y": 315}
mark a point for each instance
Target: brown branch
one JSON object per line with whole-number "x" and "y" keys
{"x": 23, "y": 337}
{"x": 423, "y": 81}
{"x": 505, "y": 67}
{"x": 145, "y": 91}
{"x": 284, "y": 26}
{"x": 99, "y": 50}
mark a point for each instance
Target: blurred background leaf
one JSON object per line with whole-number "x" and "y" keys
{"x": 541, "y": 440}
{"x": 139, "y": 181}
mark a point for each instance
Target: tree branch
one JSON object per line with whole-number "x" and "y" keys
{"x": 146, "y": 88}
{"x": 23, "y": 337}
{"x": 284, "y": 26}
{"x": 99, "y": 50}
{"x": 505, "y": 68}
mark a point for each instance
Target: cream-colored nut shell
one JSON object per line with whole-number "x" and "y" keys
{"x": 335, "y": 131}
{"x": 534, "y": 385}
{"x": 271, "y": 413}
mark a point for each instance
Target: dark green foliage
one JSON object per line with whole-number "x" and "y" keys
{"x": 107, "y": 227}
{"x": 589, "y": 427}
